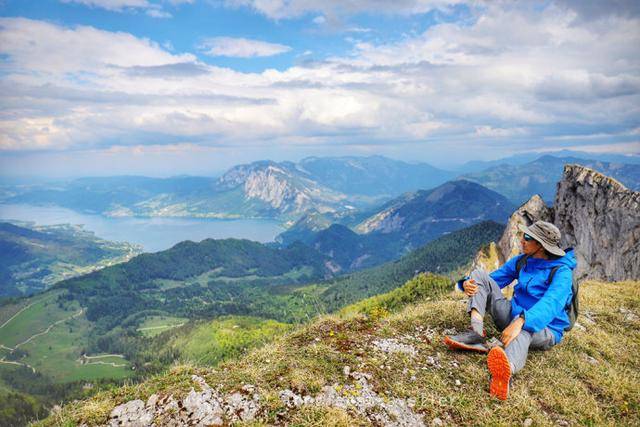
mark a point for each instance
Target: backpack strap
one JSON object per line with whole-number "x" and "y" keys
{"x": 551, "y": 274}
{"x": 522, "y": 261}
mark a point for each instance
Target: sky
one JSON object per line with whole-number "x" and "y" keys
{"x": 169, "y": 87}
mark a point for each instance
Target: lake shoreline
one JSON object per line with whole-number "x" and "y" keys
{"x": 154, "y": 234}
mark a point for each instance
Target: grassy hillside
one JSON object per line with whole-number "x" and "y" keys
{"x": 361, "y": 368}
{"x": 210, "y": 342}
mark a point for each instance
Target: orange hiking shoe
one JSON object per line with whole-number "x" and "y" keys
{"x": 500, "y": 369}
{"x": 468, "y": 340}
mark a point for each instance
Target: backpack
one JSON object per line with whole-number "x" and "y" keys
{"x": 572, "y": 306}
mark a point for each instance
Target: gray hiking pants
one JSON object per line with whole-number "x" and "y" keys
{"x": 489, "y": 298}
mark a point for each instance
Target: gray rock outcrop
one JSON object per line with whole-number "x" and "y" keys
{"x": 206, "y": 407}
{"x": 533, "y": 210}
{"x": 600, "y": 218}
{"x": 281, "y": 187}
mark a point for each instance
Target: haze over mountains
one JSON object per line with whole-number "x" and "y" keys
{"x": 519, "y": 181}
{"x": 263, "y": 189}
{"x": 339, "y": 189}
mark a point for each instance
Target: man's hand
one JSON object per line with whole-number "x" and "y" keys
{"x": 512, "y": 331}
{"x": 470, "y": 287}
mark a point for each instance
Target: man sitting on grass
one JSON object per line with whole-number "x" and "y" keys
{"x": 537, "y": 315}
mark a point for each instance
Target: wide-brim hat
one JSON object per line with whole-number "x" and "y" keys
{"x": 546, "y": 234}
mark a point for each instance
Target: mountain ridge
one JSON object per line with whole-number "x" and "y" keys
{"x": 262, "y": 189}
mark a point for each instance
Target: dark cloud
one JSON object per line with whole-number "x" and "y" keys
{"x": 595, "y": 9}
{"x": 94, "y": 96}
{"x": 592, "y": 88}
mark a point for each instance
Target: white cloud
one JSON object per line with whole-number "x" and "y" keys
{"x": 512, "y": 75}
{"x": 158, "y": 13}
{"x": 48, "y": 49}
{"x": 489, "y": 131}
{"x": 241, "y": 47}
{"x": 113, "y": 5}
{"x": 285, "y": 9}
{"x": 153, "y": 10}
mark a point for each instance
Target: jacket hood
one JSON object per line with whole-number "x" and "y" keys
{"x": 568, "y": 260}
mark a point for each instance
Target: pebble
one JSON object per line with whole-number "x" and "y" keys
{"x": 591, "y": 360}
{"x": 527, "y": 423}
{"x": 394, "y": 346}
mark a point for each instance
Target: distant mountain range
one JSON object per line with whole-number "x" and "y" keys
{"x": 521, "y": 159}
{"x": 373, "y": 176}
{"x": 520, "y": 181}
{"x": 264, "y": 189}
{"x": 315, "y": 191}
{"x": 32, "y": 258}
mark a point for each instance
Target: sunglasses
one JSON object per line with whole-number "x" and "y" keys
{"x": 527, "y": 238}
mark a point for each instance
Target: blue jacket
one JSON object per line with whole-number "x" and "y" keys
{"x": 542, "y": 303}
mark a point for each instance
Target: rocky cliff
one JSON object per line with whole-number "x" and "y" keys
{"x": 282, "y": 187}
{"x": 600, "y": 218}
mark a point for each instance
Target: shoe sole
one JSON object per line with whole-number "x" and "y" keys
{"x": 500, "y": 369}
{"x": 456, "y": 345}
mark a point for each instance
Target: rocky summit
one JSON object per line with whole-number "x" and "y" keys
{"x": 281, "y": 187}
{"x": 600, "y": 218}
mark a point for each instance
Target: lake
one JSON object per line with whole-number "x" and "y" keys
{"x": 153, "y": 234}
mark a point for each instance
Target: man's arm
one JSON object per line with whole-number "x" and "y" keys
{"x": 552, "y": 302}
{"x": 507, "y": 273}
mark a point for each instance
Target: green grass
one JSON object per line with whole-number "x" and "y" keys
{"x": 591, "y": 378}
{"x": 229, "y": 336}
{"x": 34, "y": 319}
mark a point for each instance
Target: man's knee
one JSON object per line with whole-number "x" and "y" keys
{"x": 481, "y": 277}
{"x": 542, "y": 340}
